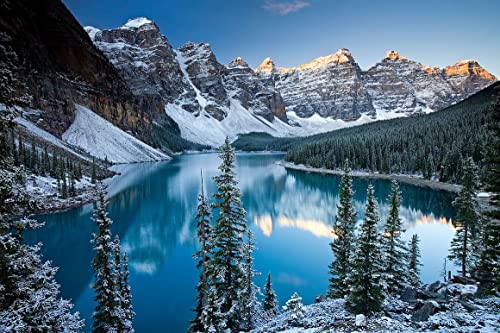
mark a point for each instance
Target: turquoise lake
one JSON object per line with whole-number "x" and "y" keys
{"x": 153, "y": 204}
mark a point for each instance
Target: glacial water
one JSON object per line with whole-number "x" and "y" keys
{"x": 153, "y": 204}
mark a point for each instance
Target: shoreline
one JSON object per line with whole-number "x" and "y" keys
{"x": 411, "y": 180}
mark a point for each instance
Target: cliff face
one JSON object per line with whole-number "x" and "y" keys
{"x": 48, "y": 62}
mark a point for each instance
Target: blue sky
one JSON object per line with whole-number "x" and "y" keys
{"x": 291, "y": 32}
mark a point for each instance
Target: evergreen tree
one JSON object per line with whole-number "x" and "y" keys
{"x": 488, "y": 272}
{"x": 204, "y": 232}
{"x": 93, "y": 177}
{"x": 414, "y": 262}
{"x": 296, "y": 308}
{"x": 393, "y": 248}
{"x": 29, "y": 297}
{"x": 366, "y": 295}
{"x": 342, "y": 245}
{"x": 29, "y": 294}
{"x": 126, "y": 297}
{"x": 104, "y": 283}
{"x": 228, "y": 240}
{"x": 271, "y": 307}
{"x": 464, "y": 245}
{"x": 250, "y": 307}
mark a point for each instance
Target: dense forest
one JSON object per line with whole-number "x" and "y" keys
{"x": 433, "y": 145}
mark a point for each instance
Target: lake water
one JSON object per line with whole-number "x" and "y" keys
{"x": 153, "y": 204}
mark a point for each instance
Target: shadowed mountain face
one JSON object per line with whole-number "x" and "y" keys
{"x": 48, "y": 62}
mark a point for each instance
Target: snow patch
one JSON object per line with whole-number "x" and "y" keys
{"x": 102, "y": 139}
{"x": 137, "y": 22}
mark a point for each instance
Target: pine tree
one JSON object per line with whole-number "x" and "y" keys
{"x": 366, "y": 295}
{"x": 93, "y": 177}
{"x": 393, "y": 248}
{"x": 271, "y": 307}
{"x": 29, "y": 297}
{"x": 104, "y": 286}
{"x": 414, "y": 262}
{"x": 296, "y": 308}
{"x": 228, "y": 240}
{"x": 342, "y": 245}
{"x": 488, "y": 272}
{"x": 464, "y": 245}
{"x": 250, "y": 307}
{"x": 204, "y": 232}
{"x": 126, "y": 298}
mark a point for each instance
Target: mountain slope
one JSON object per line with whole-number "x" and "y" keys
{"x": 49, "y": 63}
{"x": 102, "y": 139}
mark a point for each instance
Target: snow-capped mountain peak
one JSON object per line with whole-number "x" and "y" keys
{"x": 238, "y": 62}
{"x": 136, "y": 23}
{"x": 394, "y": 55}
{"x": 266, "y": 67}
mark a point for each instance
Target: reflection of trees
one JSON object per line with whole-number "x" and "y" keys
{"x": 309, "y": 202}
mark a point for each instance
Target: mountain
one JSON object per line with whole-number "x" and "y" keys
{"x": 209, "y": 100}
{"x": 49, "y": 64}
{"x": 132, "y": 77}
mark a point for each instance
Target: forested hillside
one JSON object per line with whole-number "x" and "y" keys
{"x": 432, "y": 145}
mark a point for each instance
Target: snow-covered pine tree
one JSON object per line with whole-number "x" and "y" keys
{"x": 393, "y": 248}
{"x": 271, "y": 307}
{"x": 203, "y": 255}
{"x": 29, "y": 294}
{"x": 366, "y": 295}
{"x": 250, "y": 307}
{"x": 126, "y": 297}
{"x": 229, "y": 229}
{"x": 488, "y": 272}
{"x": 414, "y": 262}
{"x": 102, "y": 264}
{"x": 464, "y": 245}
{"x": 120, "y": 317}
{"x": 296, "y": 308}
{"x": 342, "y": 245}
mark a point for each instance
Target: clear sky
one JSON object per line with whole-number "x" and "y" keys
{"x": 291, "y": 32}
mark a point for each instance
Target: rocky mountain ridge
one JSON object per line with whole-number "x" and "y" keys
{"x": 326, "y": 93}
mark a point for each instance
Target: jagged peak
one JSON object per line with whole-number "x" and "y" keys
{"x": 394, "y": 55}
{"x": 267, "y": 66}
{"x": 341, "y": 56}
{"x": 238, "y": 61}
{"x": 469, "y": 67}
{"x": 137, "y": 22}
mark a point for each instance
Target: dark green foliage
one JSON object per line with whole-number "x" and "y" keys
{"x": 414, "y": 262}
{"x": 488, "y": 270}
{"x": 204, "y": 233}
{"x": 394, "y": 249}
{"x": 262, "y": 141}
{"x": 464, "y": 245}
{"x": 366, "y": 294}
{"x": 343, "y": 243}
{"x": 270, "y": 302}
{"x": 104, "y": 283}
{"x": 228, "y": 240}
{"x": 433, "y": 144}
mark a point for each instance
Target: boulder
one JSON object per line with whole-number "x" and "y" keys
{"x": 424, "y": 294}
{"x": 425, "y": 311}
{"x": 435, "y": 286}
{"x": 360, "y": 320}
{"x": 463, "y": 280}
{"x": 409, "y": 294}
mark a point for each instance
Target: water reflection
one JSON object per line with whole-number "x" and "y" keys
{"x": 153, "y": 205}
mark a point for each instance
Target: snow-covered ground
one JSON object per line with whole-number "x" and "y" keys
{"x": 46, "y": 136}
{"x": 205, "y": 129}
{"x": 102, "y": 139}
{"x": 331, "y": 316}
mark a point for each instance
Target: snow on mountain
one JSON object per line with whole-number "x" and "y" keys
{"x": 102, "y": 139}
{"x": 136, "y": 22}
{"x": 209, "y": 100}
